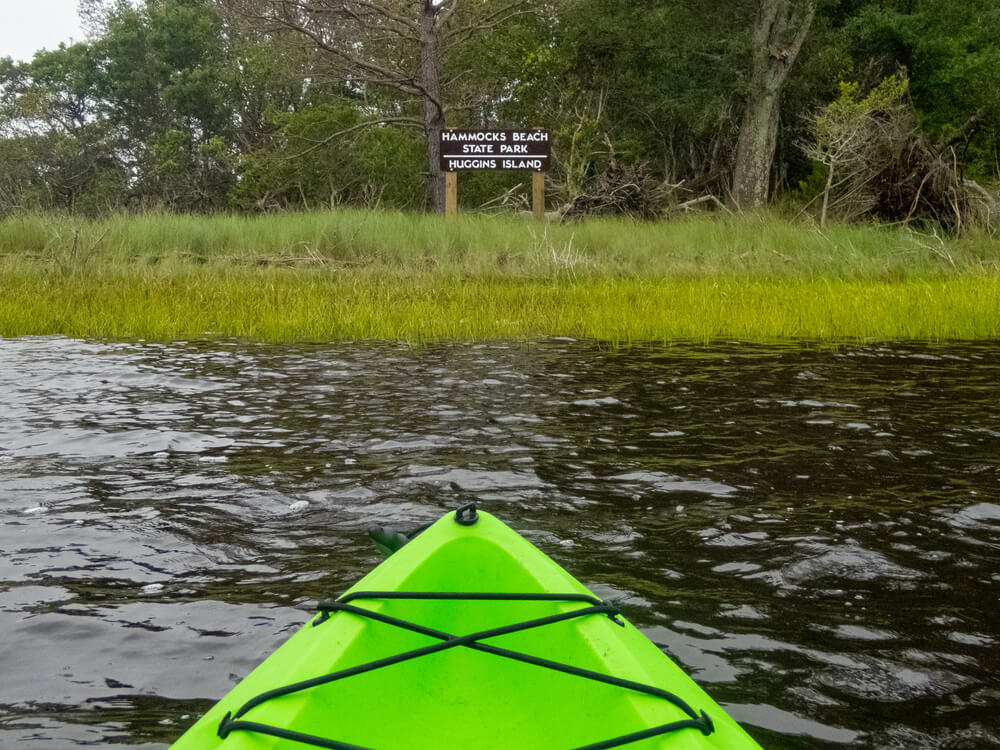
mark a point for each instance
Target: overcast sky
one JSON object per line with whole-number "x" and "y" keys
{"x": 29, "y": 25}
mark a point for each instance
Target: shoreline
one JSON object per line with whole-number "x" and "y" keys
{"x": 160, "y": 277}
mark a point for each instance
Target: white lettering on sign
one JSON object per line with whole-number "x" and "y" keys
{"x": 475, "y": 135}
{"x": 537, "y": 136}
{"x": 535, "y": 164}
{"x": 466, "y": 150}
{"x": 460, "y": 163}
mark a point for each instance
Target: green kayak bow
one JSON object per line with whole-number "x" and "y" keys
{"x": 466, "y": 637}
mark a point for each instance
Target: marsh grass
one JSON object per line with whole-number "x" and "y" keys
{"x": 354, "y": 274}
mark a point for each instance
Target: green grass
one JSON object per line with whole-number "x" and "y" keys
{"x": 355, "y": 274}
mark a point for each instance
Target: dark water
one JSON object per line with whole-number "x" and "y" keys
{"x": 813, "y": 535}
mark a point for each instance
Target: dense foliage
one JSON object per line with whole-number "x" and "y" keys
{"x": 208, "y": 105}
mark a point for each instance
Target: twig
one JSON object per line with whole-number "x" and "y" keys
{"x": 687, "y": 205}
{"x": 370, "y": 123}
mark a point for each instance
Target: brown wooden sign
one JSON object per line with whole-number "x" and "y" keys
{"x": 474, "y": 150}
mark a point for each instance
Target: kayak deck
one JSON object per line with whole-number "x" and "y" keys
{"x": 416, "y": 656}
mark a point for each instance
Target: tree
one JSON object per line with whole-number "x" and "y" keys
{"x": 856, "y": 140}
{"x": 54, "y": 91}
{"x": 165, "y": 83}
{"x": 779, "y": 32}
{"x": 950, "y": 52}
{"x": 647, "y": 87}
{"x": 265, "y": 104}
{"x": 374, "y": 166}
{"x": 55, "y": 151}
{"x": 394, "y": 45}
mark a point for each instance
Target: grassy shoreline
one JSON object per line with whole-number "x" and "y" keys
{"x": 356, "y": 275}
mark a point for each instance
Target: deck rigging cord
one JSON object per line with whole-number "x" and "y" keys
{"x": 465, "y": 516}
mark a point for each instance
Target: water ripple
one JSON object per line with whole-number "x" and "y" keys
{"x": 812, "y": 534}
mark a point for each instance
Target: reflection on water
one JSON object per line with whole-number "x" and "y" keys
{"x": 813, "y": 535}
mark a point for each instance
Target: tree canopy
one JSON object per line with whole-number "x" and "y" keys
{"x": 261, "y": 105}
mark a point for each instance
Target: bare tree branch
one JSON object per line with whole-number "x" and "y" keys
{"x": 412, "y": 121}
{"x": 384, "y": 11}
{"x": 445, "y": 11}
{"x": 490, "y": 21}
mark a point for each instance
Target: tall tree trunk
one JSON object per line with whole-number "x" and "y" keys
{"x": 430, "y": 85}
{"x": 755, "y": 150}
{"x": 779, "y": 32}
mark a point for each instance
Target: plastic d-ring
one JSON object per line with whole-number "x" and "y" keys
{"x": 466, "y": 515}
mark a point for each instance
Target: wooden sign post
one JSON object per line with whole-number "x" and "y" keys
{"x": 508, "y": 150}
{"x": 450, "y": 195}
{"x": 538, "y": 195}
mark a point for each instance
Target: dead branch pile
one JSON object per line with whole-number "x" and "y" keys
{"x": 620, "y": 190}
{"x": 920, "y": 184}
{"x": 879, "y": 165}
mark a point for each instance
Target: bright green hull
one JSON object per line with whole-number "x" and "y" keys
{"x": 461, "y": 697}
